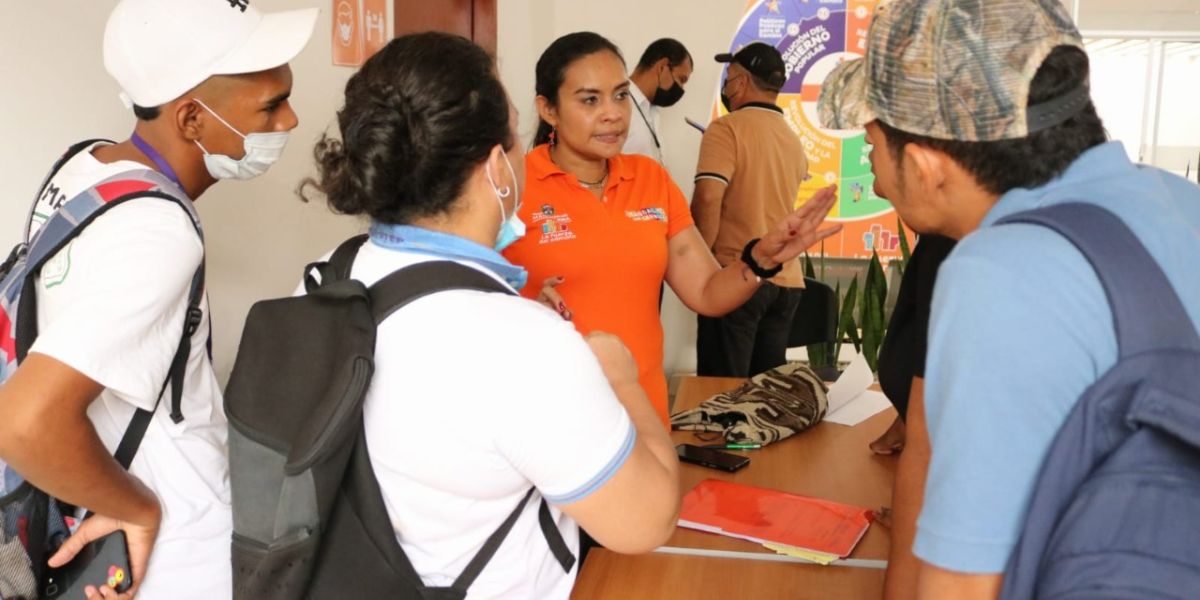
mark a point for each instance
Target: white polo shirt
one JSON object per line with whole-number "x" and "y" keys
{"x": 644, "y": 124}
{"x": 111, "y": 305}
{"x": 477, "y": 397}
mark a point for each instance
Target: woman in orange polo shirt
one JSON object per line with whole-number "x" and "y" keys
{"x": 604, "y": 229}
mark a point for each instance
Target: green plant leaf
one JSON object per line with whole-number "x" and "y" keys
{"x": 852, "y": 331}
{"x": 819, "y": 353}
{"x": 837, "y": 295}
{"x": 880, "y": 282}
{"x": 822, "y": 260}
{"x": 846, "y": 325}
{"x": 833, "y": 347}
{"x": 872, "y": 330}
{"x": 905, "y": 252}
{"x": 871, "y": 311}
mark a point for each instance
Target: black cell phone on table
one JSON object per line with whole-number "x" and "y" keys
{"x": 710, "y": 457}
{"x": 104, "y": 562}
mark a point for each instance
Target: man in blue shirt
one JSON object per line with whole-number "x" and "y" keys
{"x": 977, "y": 111}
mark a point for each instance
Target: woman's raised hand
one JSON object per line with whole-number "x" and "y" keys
{"x": 799, "y": 230}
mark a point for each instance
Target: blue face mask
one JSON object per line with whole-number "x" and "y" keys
{"x": 512, "y": 228}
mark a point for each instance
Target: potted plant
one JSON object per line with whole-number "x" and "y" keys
{"x": 860, "y": 317}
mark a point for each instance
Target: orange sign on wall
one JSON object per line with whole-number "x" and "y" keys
{"x": 347, "y": 33}
{"x": 375, "y": 29}
{"x": 360, "y": 29}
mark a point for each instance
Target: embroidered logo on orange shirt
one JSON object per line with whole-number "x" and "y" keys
{"x": 647, "y": 214}
{"x": 555, "y": 227}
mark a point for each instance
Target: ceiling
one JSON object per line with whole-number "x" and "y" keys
{"x": 1174, "y": 16}
{"x": 1141, "y": 48}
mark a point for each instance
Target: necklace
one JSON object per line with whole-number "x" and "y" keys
{"x": 591, "y": 185}
{"x": 594, "y": 184}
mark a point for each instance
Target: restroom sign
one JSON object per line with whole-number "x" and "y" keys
{"x": 360, "y": 29}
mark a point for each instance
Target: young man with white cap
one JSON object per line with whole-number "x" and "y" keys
{"x": 209, "y": 83}
{"x": 977, "y": 111}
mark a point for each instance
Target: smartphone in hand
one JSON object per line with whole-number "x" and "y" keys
{"x": 711, "y": 458}
{"x": 104, "y": 562}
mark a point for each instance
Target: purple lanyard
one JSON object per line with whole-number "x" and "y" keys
{"x": 163, "y": 166}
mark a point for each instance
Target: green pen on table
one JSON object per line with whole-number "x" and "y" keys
{"x": 745, "y": 446}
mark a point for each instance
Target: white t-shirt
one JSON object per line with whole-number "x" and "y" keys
{"x": 477, "y": 397}
{"x": 111, "y": 305}
{"x": 640, "y": 140}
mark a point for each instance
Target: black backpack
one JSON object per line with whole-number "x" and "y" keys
{"x": 1114, "y": 510}
{"x": 309, "y": 520}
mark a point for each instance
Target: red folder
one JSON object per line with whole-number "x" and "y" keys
{"x": 764, "y": 515}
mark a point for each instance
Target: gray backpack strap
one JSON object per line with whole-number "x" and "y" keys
{"x": 1146, "y": 311}
{"x": 414, "y": 282}
{"x": 128, "y": 446}
{"x": 393, "y": 293}
{"x": 64, "y": 226}
{"x": 58, "y": 164}
{"x": 337, "y": 267}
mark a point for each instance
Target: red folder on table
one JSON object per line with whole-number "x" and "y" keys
{"x": 763, "y": 515}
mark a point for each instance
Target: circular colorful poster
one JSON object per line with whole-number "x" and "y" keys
{"x": 814, "y": 36}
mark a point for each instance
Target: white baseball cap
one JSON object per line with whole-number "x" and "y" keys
{"x": 159, "y": 49}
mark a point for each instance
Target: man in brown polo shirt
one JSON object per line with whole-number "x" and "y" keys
{"x": 750, "y": 169}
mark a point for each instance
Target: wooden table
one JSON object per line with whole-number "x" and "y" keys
{"x": 828, "y": 461}
{"x": 656, "y": 576}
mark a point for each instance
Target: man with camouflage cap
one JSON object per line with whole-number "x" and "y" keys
{"x": 976, "y": 111}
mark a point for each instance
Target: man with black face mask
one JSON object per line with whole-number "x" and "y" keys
{"x": 750, "y": 168}
{"x": 658, "y": 82}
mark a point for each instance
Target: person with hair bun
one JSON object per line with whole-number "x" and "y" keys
{"x": 428, "y": 153}
{"x": 608, "y": 228}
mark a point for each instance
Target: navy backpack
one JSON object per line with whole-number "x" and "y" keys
{"x": 1116, "y": 509}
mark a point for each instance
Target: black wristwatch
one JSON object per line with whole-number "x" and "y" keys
{"x": 748, "y": 258}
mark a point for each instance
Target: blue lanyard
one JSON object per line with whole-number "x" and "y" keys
{"x": 444, "y": 245}
{"x": 163, "y": 166}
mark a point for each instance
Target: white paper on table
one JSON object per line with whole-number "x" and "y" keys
{"x": 853, "y": 381}
{"x": 863, "y": 407}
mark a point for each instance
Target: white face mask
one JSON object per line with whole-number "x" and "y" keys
{"x": 512, "y": 228}
{"x": 262, "y": 151}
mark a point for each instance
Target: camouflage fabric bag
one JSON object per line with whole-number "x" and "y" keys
{"x": 770, "y": 407}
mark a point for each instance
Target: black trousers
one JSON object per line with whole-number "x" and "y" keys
{"x": 751, "y": 339}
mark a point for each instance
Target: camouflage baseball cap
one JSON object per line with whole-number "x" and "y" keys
{"x": 954, "y": 70}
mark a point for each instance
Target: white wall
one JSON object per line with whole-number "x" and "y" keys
{"x": 1144, "y": 15}
{"x": 259, "y": 234}
{"x": 706, "y": 27}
